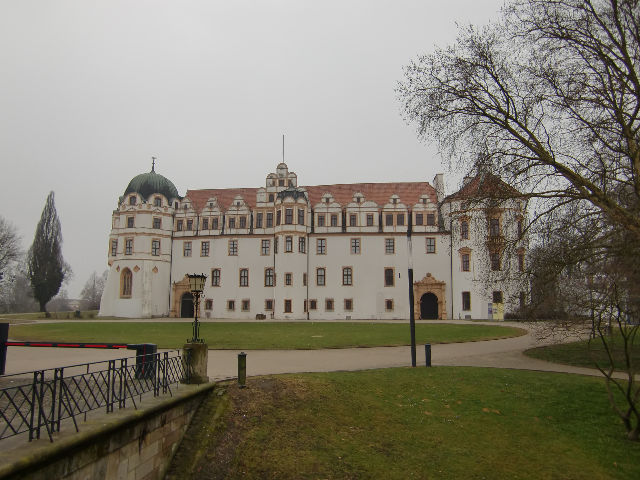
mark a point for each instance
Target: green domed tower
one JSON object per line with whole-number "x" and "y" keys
{"x": 140, "y": 248}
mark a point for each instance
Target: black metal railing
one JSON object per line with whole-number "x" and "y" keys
{"x": 45, "y": 398}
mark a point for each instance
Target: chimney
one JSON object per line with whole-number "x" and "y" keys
{"x": 438, "y": 184}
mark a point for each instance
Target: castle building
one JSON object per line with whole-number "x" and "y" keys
{"x": 317, "y": 252}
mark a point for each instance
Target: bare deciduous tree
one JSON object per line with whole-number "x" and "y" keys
{"x": 549, "y": 98}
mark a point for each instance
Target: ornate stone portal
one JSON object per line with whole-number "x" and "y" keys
{"x": 430, "y": 285}
{"x": 177, "y": 290}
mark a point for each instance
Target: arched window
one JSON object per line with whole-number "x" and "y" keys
{"x": 126, "y": 281}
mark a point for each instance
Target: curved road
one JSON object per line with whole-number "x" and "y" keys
{"x": 505, "y": 353}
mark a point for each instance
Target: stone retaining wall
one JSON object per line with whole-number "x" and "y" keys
{"x": 138, "y": 445}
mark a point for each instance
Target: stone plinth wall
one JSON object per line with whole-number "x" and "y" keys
{"x": 137, "y": 446}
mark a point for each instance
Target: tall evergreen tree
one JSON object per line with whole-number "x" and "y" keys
{"x": 46, "y": 268}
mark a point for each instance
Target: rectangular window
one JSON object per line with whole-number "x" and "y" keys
{"x": 431, "y": 219}
{"x": 495, "y": 261}
{"x": 259, "y": 220}
{"x": 278, "y": 217}
{"x": 300, "y": 216}
{"x": 355, "y": 246}
{"x": 268, "y": 277}
{"x": 244, "y": 277}
{"x": 302, "y": 245}
{"x": 334, "y": 220}
{"x": 288, "y": 216}
{"x": 204, "y": 249}
{"x": 186, "y": 249}
{"x": 233, "y": 247}
{"x": 232, "y": 222}
{"x": 215, "y": 223}
{"x": 231, "y": 305}
{"x": 320, "y": 220}
{"x": 321, "y": 246}
{"x": 288, "y": 279}
{"x": 179, "y": 225}
{"x": 328, "y": 304}
{"x": 389, "y": 246}
{"x": 347, "y": 276}
{"x": 269, "y": 219}
{"x": 157, "y": 222}
{"x": 494, "y": 227}
{"x": 132, "y": 200}
{"x": 369, "y": 219}
{"x": 400, "y": 219}
{"x": 352, "y": 220}
{"x": 128, "y": 246}
{"x": 313, "y": 304}
{"x": 388, "y": 305}
{"x": 266, "y": 246}
{"x": 114, "y": 247}
{"x": 129, "y": 222}
{"x": 465, "y": 262}
{"x": 215, "y": 277}
{"x": 388, "y": 220}
{"x": 208, "y": 304}
{"x": 287, "y": 306}
{"x": 418, "y": 219}
{"x": 320, "y": 277}
{"x": 157, "y": 202}
{"x": 243, "y": 222}
{"x": 466, "y": 300}
{"x": 431, "y": 245}
{"x": 288, "y": 244}
{"x": 189, "y": 224}
{"x": 497, "y": 297}
{"x": 268, "y": 304}
{"x": 245, "y": 305}
{"x": 155, "y": 247}
{"x": 388, "y": 277}
{"x": 348, "y": 304}
{"x": 464, "y": 230}
{"x": 205, "y": 224}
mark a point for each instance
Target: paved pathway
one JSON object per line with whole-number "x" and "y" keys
{"x": 506, "y": 353}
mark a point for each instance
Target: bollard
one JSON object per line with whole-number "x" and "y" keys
{"x": 427, "y": 354}
{"x": 242, "y": 369}
{"x": 4, "y": 335}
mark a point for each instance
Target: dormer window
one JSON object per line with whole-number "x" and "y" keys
{"x": 132, "y": 200}
{"x": 424, "y": 201}
{"x": 281, "y": 183}
{"x": 395, "y": 201}
{"x": 185, "y": 206}
{"x": 326, "y": 200}
{"x": 157, "y": 202}
{"x": 358, "y": 199}
{"x": 210, "y": 204}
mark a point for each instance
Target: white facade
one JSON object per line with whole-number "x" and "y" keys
{"x": 317, "y": 252}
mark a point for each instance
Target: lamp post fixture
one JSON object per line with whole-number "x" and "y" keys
{"x": 196, "y": 284}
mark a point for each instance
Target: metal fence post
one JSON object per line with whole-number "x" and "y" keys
{"x": 427, "y": 354}
{"x": 4, "y": 335}
{"x": 242, "y": 369}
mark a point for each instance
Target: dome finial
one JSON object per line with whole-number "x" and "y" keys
{"x": 153, "y": 164}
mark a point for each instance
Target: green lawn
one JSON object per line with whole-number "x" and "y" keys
{"x": 585, "y": 354}
{"x": 437, "y": 423}
{"x": 267, "y": 335}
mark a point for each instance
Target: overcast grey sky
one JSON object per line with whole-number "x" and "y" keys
{"x": 90, "y": 90}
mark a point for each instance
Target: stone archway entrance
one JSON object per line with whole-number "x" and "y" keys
{"x": 178, "y": 289}
{"x": 429, "y": 298}
{"x": 186, "y": 305}
{"x": 429, "y": 306}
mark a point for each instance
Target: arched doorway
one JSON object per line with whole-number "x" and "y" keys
{"x": 429, "y": 307}
{"x": 186, "y": 305}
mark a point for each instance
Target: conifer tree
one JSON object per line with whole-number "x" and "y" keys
{"x": 46, "y": 268}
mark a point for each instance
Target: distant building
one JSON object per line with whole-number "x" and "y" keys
{"x": 316, "y": 252}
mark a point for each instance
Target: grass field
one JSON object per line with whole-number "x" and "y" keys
{"x": 585, "y": 354}
{"x": 438, "y": 423}
{"x": 274, "y": 335}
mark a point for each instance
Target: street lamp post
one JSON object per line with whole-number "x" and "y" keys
{"x": 196, "y": 284}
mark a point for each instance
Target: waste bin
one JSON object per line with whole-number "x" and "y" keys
{"x": 145, "y": 359}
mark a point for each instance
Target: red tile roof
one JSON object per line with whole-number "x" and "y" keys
{"x": 409, "y": 193}
{"x": 485, "y": 185}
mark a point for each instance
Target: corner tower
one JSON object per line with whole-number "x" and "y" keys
{"x": 140, "y": 249}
